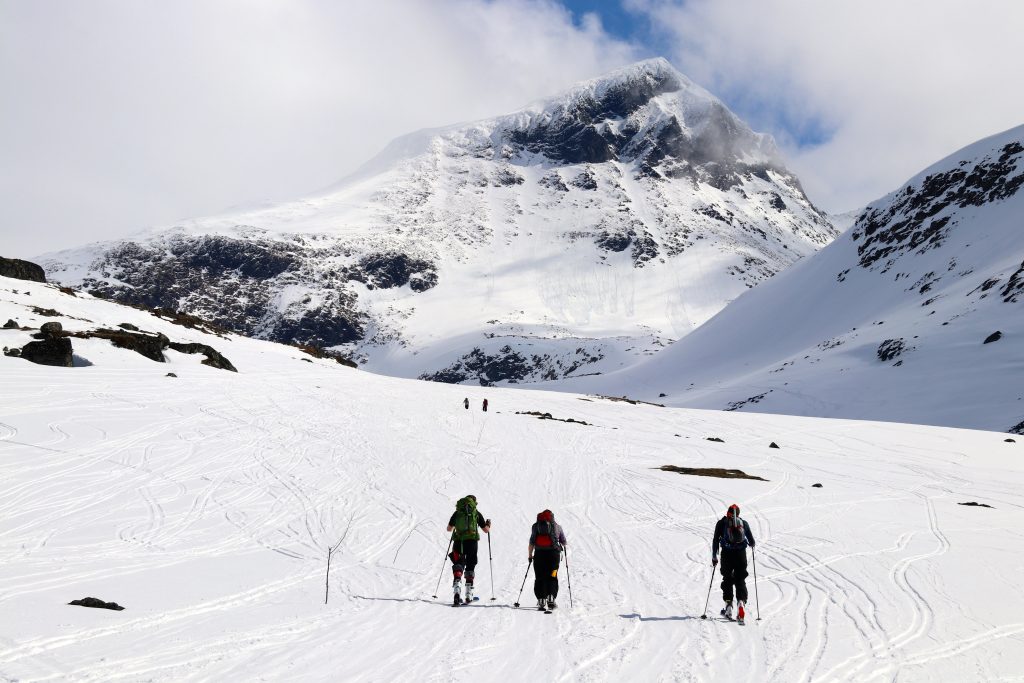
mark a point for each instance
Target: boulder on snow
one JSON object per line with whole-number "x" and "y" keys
{"x": 715, "y": 439}
{"x": 96, "y": 602}
{"x": 976, "y": 505}
{"x": 995, "y": 336}
{"x": 170, "y": 374}
{"x": 815, "y": 486}
{"x": 12, "y": 353}
{"x": 51, "y": 330}
{"x": 128, "y": 326}
{"x": 21, "y": 270}
{"x": 11, "y": 325}
{"x": 773, "y": 445}
{"x": 213, "y": 357}
{"x": 56, "y": 352}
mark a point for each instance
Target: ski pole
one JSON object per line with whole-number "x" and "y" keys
{"x": 568, "y": 574}
{"x": 757, "y": 602}
{"x": 490, "y": 559}
{"x": 516, "y": 604}
{"x": 444, "y": 564}
{"x": 710, "y": 583}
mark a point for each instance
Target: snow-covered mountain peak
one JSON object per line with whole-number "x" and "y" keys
{"x": 575, "y": 234}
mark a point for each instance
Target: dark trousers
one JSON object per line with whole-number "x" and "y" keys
{"x": 734, "y": 573}
{"x": 464, "y": 559}
{"x": 545, "y": 572}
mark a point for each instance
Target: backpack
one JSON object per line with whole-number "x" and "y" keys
{"x": 465, "y": 520}
{"x": 734, "y": 536}
{"x": 547, "y": 530}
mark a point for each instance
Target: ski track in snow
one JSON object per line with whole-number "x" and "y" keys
{"x": 207, "y": 507}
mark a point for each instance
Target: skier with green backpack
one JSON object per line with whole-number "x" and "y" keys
{"x": 465, "y": 524}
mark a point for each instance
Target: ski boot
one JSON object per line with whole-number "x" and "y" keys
{"x": 457, "y": 590}
{"x": 740, "y": 614}
{"x": 552, "y": 604}
{"x": 541, "y": 605}
{"x": 727, "y": 610}
{"x": 469, "y": 592}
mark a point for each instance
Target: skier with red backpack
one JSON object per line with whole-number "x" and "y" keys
{"x": 546, "y": 543}
{"x": 464, "y": 524}
{"x": 732, "y": 534}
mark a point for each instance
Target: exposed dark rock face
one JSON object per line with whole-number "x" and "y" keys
{"x": 11, "y": 325}
{"x": 1014, "y": 287}
{"x": 1017, "y": 428}
{"x": 910, "y": 224}
{"x": 995, "y": 336}
{"x": 509, "y": 365}
{"x": 891, "y": 348}
{"x": 233, "y": 282}
{"x": 386, "y": 271}
{"x": 96, "y": 602}
{"x": 579, "y": 132}
{"x": 21, "y": 270}
{"x": 585, "y": 181}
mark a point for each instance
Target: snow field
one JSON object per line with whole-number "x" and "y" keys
{"x": 206, "y": 504}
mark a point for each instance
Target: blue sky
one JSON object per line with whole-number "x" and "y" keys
{"x": 801, "y": 130}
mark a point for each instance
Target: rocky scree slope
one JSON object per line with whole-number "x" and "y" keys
{"x": 576, "y": 235}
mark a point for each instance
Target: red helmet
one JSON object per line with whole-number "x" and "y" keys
{"x": 733, "y": 511}
{"x": 546, "y": 516}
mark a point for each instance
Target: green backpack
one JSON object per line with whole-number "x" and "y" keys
{"x": 465, "y": 520}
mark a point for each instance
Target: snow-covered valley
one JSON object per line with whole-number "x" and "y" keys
{"x": 206, "y": 503}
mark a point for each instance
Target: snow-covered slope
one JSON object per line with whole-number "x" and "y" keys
{"x": 571, "y": 237}
{"x": 916, "y": 314}
{"x": 206, "y": 504}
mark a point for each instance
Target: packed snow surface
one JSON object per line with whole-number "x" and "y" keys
{"x": 206, "y": 504}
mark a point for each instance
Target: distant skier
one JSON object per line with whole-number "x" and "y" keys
{"x": 732, "y": 533}
{"x": 465, "y": 537}
{"x": 546, "y": 542}
{"x": 485, "y": 405}
{"x": 465, "y": 402}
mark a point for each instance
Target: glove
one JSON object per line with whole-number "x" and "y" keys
{"x": 714, "y": 561}
{"x": 531, "y": 557}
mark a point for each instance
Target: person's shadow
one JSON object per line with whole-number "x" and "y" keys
{"x": 636, "y": 615}
{"x": 477, "y": 604}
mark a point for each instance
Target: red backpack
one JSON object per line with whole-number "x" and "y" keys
{"x": 547, "y": 530}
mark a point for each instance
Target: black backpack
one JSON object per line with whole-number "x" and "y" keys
{"x": 734, "y": 536}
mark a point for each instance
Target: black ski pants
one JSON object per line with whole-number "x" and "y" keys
{"x": 545, "y": 572}
{"x": 734, "y": 573}
{"x": 464, "y": 559}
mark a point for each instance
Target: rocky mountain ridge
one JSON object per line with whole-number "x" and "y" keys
{"x": 611, "y": 220}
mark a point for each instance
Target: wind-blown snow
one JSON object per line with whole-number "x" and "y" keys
{"x": 206, "y": 504}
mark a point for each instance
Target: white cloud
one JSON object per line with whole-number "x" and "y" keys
{"x": 120, "y": 114}
{"x": 898, "y": 84}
